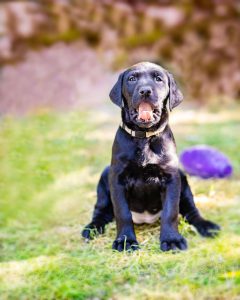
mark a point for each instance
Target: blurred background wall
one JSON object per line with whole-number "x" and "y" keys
{"x": 63, "y": 53}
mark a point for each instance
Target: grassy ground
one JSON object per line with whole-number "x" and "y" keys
{"x": 50, "y": 165}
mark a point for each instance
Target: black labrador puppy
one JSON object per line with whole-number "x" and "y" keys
{"x": 144, "y": 179}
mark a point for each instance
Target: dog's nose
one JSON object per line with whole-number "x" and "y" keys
{"x": 145, "y": 91}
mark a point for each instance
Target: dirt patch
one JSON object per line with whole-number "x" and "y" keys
{"x": 63, "y": 76}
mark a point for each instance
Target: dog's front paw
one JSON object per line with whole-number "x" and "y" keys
{"x": 207, "y": 228}
{"x": 124, "y": 243}
{"x": 92, "y": 230}
{"x": 174, "y": 241}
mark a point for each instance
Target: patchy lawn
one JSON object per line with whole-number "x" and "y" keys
{"x": 50, "y": 164}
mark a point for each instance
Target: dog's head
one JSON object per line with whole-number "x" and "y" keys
{"x": 144, "y": 89}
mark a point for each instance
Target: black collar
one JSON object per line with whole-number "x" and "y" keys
{"x": 142, "y": 134}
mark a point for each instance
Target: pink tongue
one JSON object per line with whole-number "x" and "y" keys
{"x": 145, "y": 112}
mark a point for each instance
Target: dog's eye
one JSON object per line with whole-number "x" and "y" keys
{"x": 132, "y": 78}
{"x": 158, "y": 78}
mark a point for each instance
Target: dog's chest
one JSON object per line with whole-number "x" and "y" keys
{"x": 158, "y": 151}
{"x": 145, "y": 179}
{"x": 146, "y": 167}
{"x": 145, "y": 155}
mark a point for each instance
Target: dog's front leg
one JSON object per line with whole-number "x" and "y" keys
{"x": 126, "y": 238}
{"x": 170, "y": 238}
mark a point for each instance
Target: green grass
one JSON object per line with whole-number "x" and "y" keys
{"x": 50, "y": 164}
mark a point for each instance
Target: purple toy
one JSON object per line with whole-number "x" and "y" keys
{"x": 205, "y": 162}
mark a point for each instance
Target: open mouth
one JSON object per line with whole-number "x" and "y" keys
{"x": 145, "y": 112}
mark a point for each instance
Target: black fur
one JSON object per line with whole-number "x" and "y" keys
{"x": 144, "y": 173}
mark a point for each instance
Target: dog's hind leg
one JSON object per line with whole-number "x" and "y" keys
{"x": 103, "y": 210}
{"x": 189, "y": 210}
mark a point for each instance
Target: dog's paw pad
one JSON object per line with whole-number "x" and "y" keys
{"x": 125, "y": 244}
{"x": 174, "y": 244}
{"x": 91, "y": 231}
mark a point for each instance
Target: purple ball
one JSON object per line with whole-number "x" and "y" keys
{"x": 205, "y": 162}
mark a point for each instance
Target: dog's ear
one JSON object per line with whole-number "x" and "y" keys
{"x": 116, "y": 92}
{"x": 175, "y": 95}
